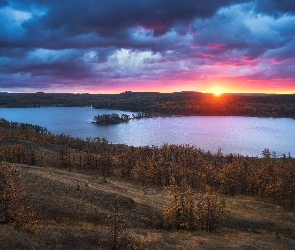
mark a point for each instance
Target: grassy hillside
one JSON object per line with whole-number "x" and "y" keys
{"x": 73, "y": 209}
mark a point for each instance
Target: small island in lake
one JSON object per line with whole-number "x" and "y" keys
{"x": 108, "y": 119}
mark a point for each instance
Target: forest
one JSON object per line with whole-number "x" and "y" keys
{"x": 270, "y": 176}
{"x": 167, "y": 104}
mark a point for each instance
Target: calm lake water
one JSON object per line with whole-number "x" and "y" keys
{"x": 240, "y": 135}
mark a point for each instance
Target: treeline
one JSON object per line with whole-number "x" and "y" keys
{"x": 182, "y": 166}
{"x": 153, "y": 104}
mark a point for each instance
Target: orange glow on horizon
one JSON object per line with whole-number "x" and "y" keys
{"x": 217, "y": 92}
{"x": 216, "y": 86}
{"x": 245, "y": 86}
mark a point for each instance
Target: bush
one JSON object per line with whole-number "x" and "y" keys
{"x": 160, "y": 224}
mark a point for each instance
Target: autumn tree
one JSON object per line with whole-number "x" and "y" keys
{"x": 211, "y": 210}
{"x": 181, "y": 212}
{"x": 8, "y": 193}
{"x": 12, "y": 210}
{"x": 191, "y": 211}
{"x": 118, "y": 237}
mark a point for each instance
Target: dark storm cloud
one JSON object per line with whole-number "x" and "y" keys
{"x": 3, "y": 3}
{"x": 112, "y": 16}
{"x": 275, "y": 7}
{"x": 107, "y": 41}
{"x": 64, "y": 23}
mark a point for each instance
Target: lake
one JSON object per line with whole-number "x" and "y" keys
{"x": 239, "y": 135}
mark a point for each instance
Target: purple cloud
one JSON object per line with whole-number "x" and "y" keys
{"x": 108, "y": 43}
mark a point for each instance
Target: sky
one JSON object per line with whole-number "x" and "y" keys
{"x": 111, "y": 46}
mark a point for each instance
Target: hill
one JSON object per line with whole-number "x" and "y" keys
{"x": 73, "y": 208}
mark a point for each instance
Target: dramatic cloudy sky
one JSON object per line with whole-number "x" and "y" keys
{"x": 109, "y": 46}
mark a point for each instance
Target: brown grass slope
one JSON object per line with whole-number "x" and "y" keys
{"x": 72, "y": 208}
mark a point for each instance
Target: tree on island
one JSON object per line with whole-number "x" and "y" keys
{"x": 113, "y": 118}
{"x": 108, "y": 119}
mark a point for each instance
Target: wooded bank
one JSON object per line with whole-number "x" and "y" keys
{"x": 154, "y": 104}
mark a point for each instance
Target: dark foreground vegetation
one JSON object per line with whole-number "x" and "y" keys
{"x": 195, "y": 190}
{"x": 154, "y": 104}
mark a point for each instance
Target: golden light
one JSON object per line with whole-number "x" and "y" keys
{"x": 217, "y": 92}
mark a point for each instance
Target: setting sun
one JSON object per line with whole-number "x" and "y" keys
{"x": 217, "y": 92}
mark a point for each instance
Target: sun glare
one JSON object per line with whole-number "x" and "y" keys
{"x": 217, "y": 92}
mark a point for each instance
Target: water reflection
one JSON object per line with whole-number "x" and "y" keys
{"x": 243, "y": 135}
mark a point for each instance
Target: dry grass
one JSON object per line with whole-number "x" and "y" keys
{"x": 73, "y": 208}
